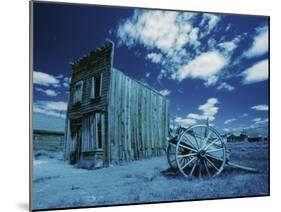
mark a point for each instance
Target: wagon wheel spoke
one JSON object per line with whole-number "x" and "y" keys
{"x": 210, "y": 144}
{"x": 193, "y": 168}
{"x": 214, "y": 157}
{"x": 214, "y": 150}
{"x": 187, "y": 147}
{"x": 174, "y": 145}
{"x": 206, "y": 167}
{"x": 190, "y": 142}
{"x": 187, "y": 155}
{"x": 205, "y": 141}
{"x": 212, "y": 164}
{"x": 188, "y": 162}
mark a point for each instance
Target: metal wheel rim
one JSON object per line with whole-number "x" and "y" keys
{"x": 194, "y": 158}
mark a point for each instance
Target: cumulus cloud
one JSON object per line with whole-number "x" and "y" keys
{"x": 154, "y": 57}
{"x": 209, "y": 21}
{"x": 208, "y": 111}
{"x": 44, "y": 79}
{"x": 256, "y": 73}
{"x": 170, "y": 34}
{"x": 225, "y": 86}
{"x": 260, "y": 107}
{"x": 185, "y": 122}
{"x": 205, "y": 66}
{"x": 165, "y": 92}
{"x": 229, "y": 121}
{"x": 48, "y": 92}
{"x": 259, "y": 45}
{"x": 160, "y": 29}
{"x": 228, "y": 46}
{"x": 52, "y": 108}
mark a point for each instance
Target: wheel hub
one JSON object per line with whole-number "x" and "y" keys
{"x": 201, "y": 153}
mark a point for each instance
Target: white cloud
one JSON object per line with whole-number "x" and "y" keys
{"x": 65, "y": 84}
{"x": 260, "y": 107}
{"x": 170, "y": 34}
{"x": 260, "y": 44}
{"x": 185, "y": 122}
{"x": 208, "y": 111}
{"x": 48, "y": 92}
{"x": 195, "y": 116}
{"x": 225, "y": 86}
{"x": 165, "y": 92}
{"x": 244, "y": 115}
{"x": 256, "y": 119}
{"x": 209, "y": 21}
{"x": 229, "y": 121}
{"x": 147, "y": 74}
{"x": 161, "y": 29}
{"x": 59, "y": 76}
{"x": 226, "y": 130}
{"x": 205, "y": 66}
{"x": 154, "y": 57}
{"x": 45, "y": 79}
{"x": 228, "y": 46}
{"x": 52, "y": 108}
{"x": 256, "y": 73}
{"x": 259, "y": 122}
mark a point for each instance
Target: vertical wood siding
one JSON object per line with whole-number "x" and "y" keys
{"x": 90, "y": 138}
{"x": 139, "y": 119}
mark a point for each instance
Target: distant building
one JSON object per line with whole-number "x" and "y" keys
{"x": 48, "y": 133}
{"x": 257, "y": 139}
{"x": 112, "y": 117}
{"x": 236, "y": 138}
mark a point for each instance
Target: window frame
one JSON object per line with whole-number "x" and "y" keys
{"x": 77, "y": 99}
{"x": 93, "y": 86}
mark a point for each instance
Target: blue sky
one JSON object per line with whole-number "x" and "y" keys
{"x": 211, "y": 66}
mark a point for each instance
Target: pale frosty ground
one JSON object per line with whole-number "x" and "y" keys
{"x": 57, "y": 184}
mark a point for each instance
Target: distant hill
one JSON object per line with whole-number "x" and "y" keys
{"x": 49, "y": 123}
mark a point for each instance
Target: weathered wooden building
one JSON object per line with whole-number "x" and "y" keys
{"x": 112, "y": 117}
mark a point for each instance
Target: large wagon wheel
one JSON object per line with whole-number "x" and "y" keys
{"x": 171, "y": 149}
{"x": 171, "y": 155}
{"x": 200, "y": 151}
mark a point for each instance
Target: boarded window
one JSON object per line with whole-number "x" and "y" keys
{"x": 77, "y": 95}
{"x": 96, "y": 86}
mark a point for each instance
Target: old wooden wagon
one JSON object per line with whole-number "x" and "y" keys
{"x": 112, "y": 117}
{"x": 199, "y": 150}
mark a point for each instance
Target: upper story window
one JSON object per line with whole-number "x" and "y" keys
{"x": 77, "y": 94}
{"x": 96, "y": 87}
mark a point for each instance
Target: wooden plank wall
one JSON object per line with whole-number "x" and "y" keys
{"x": 138, "y": 119}
{"x": 94, "y": 64}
